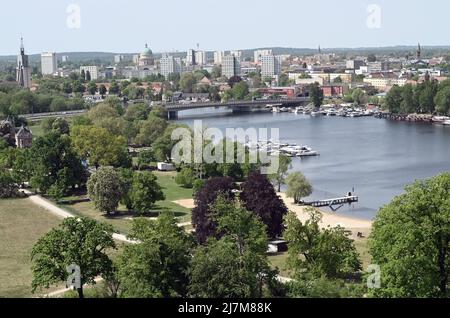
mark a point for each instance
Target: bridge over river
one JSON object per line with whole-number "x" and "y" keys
{"x": 236, "y": 106}
{"x": 173, "y": 108}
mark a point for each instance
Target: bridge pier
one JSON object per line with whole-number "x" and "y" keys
{"x": 172, "y": 114}
{"x": 246, "y": 109}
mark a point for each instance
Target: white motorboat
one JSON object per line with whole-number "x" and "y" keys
{"x": 446, "y": 122}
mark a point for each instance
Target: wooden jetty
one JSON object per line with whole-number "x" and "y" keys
{"x": 332, "y": 202}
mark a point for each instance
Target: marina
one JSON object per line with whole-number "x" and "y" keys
{"x": 375, "y": 157}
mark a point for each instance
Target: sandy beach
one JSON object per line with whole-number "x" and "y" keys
{"x": 329, "y": 219}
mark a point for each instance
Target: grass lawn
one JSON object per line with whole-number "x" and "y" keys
{"x": 363, "y": 250}
{"x": 279, "y": 261}
{"x": 37, "y": 130}
{"x": 21, "y": 225}
{"x": 123, "y": 219}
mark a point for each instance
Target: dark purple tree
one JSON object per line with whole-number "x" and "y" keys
{"x": 259, "y": 196}
{"x": 202, "y": 220}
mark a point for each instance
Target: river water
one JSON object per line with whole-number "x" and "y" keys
{"x": 374, "y": 157}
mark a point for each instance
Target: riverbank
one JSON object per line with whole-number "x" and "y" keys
{"x": 352, "y": 224}
{"x": 328, "y": 219}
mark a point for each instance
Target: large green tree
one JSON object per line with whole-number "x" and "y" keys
{"x": 319, "y": 251}
{"x": 410, "y": 241}
{"x": 145, "y": 191}
{"x": 158, "y": 265}
{"x": 279, "y": 177}
{"x": 105, "y": 189}
{"x": 77, "y": 241}
{"x": 235, "y": 266}
{"x": 298, "y": 186}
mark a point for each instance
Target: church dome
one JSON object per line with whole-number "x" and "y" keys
{"x": 147, "y": 52}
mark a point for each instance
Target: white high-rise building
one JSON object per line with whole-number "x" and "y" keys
{"x": 218, "y": 57}
{"x": 92, "y": 70}
{"x": 170, "y": 65}
{"x": 200, "y": 58}
{"x": 260, "y": 53}
{"x": 237, "y": 54}
{"x": 23, "y": 69}
{"x": 49, "y": 65}
{"x": 270, "y": 65}
{"x": 231, "y": 66}
{"x": 190, "y": 58}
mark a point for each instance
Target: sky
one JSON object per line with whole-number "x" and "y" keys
{"x": 176, "y": 25}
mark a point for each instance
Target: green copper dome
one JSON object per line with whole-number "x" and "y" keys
{"x": 147, "y": 52}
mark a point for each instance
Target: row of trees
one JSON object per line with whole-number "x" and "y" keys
{"x": 168, "y": 262}
{"x": 429, "y": 97}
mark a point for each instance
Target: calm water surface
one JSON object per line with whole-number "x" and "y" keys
{"x": 375, "y": 157}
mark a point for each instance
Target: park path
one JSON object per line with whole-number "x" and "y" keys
{"x": 51, "y": 207}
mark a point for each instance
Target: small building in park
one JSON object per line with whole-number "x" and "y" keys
{"x": 24, "y": 137}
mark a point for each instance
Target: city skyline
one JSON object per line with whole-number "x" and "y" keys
{"x": 120, "y": 28}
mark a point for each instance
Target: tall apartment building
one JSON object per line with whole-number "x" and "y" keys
{"x": 170, "y": 65}
{"x": 49, "y": 65}
{"x": 259, "y": 53}
{"x": 200, "y": 58}
{"x": 93, "y": 71}
{"x": 237, "y": 54}
{"x": 231, "y": 66}
{"x": 270, "y": 65}
{"x": 190, "y": 58}
{"x": 218, "y": 57}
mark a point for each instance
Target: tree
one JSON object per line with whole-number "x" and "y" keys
{"x": 8, "y": 186}
{"x": 105, "y": 189}
{"x": 202, "y": 220}
{"x": 99, "y": 147}
{"x": 185, "y": 177}
{"x": 92, "y": 88}
{"x": 145, "y": 159}
{"x": 258, "y": 196}
{"x": 158, "y": 266}
{"x": 145, "y": 191}
{"x": 235, "y": 266}
{"x": 393, "y": 99}
{"x": 316, "y": 94}
{"x": 240, "y": 90}
{"x": 136, "y": 112}
{"x": 114, "y": 88}
{"x": 55, "y": 163}
{"x": 102, "y": 90}
{"x": 442, "y": 100}
{"x": 77, "y": 241}
{"x": 371, "y": 58}
{"x": 150, "y": 130}
{"x": 298, "y": 186}
{"x": 187, "y": 82}
{"x": 320, "y": 252}
{"x": 279, "y": 178}
{"x": 407, "y": 105}
{"x": 359, "y": 96}
{"x": 410, "y": 241}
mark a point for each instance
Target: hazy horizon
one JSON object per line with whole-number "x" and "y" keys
{"x": 177, "y": 25}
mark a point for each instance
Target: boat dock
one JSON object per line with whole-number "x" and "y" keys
{"x": 331, "y": 202}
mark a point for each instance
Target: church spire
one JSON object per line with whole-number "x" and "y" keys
{"x": 419, "y": 51}
{"x": 22, "y": 47}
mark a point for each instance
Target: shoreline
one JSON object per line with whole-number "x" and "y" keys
{"x": 354, "y": 225}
